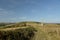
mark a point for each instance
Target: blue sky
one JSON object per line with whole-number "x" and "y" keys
{"x": 30, "y": 10}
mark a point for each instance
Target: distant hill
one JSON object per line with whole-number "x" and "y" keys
{"x": 4, "y": 24}
{"x": 19, "y": 24}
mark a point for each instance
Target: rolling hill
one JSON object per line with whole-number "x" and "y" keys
{"x": 49, "y": 31}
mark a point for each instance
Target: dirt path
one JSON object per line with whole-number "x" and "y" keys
{"x": 6, "y": 29}
{"x": 40, "y": 35}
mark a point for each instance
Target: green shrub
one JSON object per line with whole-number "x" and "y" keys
{"x": 18, "y": 34}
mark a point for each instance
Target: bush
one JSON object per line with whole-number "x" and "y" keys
{"x": 18, "y": 34}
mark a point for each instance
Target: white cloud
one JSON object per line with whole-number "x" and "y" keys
{"x": 1, "y": 9}
{"x": 22, "y": 17}
{"x": 49, "y": 8}
{"x": 18, "y": 18}
{"x": 4, "y": 12}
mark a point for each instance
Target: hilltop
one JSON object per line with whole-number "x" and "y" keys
{"x": 49, "y": 31}
{"x": 19, "y": 24}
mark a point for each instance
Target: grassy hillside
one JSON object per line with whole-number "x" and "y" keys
{"x": 18, "y": 34}
{"x": 48, "y": 31}
{"x": 17, "y": 31}
{"x": 4, "y": 24}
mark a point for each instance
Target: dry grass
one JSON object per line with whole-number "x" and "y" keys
{"x": 49, "y": 32}
{"x": 46, "y": 32}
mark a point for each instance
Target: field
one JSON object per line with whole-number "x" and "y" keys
{"x": 49, "y": 31}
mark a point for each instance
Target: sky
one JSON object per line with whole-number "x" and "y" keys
{"x": 30, "y": 10}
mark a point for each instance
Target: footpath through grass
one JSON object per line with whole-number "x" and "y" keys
{"x": 40, "y": 35}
